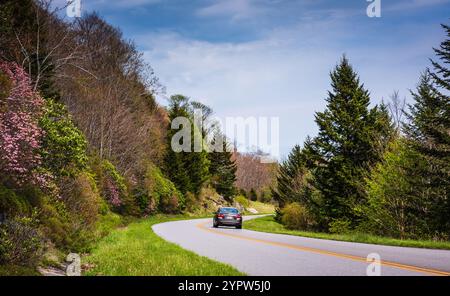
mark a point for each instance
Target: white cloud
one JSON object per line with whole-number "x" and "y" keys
{"x": 285, "y": 73}
{"x": 236, "y": 9}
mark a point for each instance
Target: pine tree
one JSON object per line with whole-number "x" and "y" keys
{"x": 174, "y": 162}
{"x": 188, "y": 170}
{"x": 223, "y": 169}
{"x": 428, "y": 130}
{"x": 441, "y": 73}
{"x": 290, "y": 178}
{"x": 351, "y": 139}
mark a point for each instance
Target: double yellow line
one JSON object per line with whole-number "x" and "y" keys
{"x": 434, "y": 272}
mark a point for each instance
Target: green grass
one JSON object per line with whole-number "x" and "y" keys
{"x": 268, "y": 224}
{"x": 262, "y": 208}
{"x": 13, "y": 270}
{"x": 137, "y": 250}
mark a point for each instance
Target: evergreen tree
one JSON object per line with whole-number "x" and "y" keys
{"x": 197, "y": 165}
{"x": 174, "y": 162}
{"x": 290, "y": 178}
{"x": 351, "y": 139}
{"x": 428, "y": 130}
{"x": 188, "y": 170}
{"x": 223, "y": 168}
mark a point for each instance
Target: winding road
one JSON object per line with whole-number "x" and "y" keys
{"x": 266, "y": 254}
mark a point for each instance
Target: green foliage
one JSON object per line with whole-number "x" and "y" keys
{"x": 266, "y": 195}
{"x": 222, "y": 168}
{"x": 189, "y": 171}
{"x": 268, "y": 224}
{"x": 105, "y": 224}
{"x": 175, "y": 163}
{"x": 296, "y": 216}
{"x": 63, "y": 145}
{"x": 191, "y": 202}
{"x": 113, "y": 188}
{"x": 12, "y": 204}
{"x": 350, "y": 141}
{"x": 291, "y": 178}
{"x": 340, "y": 226}
{"x": 398, "y": 203}
{"x": 14, "y": 270}
{"x": 20, "y": 242}
{"x": 161, "y": 194}
{"x": 54, "y": 222}
{"x": 83, "y": 201}
{"x": 242, "y": 200}
{"x": 428, "y": 132}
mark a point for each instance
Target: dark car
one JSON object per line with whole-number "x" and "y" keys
{"x": 227, "y": 216}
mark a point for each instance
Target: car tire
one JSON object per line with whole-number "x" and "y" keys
{"x": 215, "y": 225}
{"x": 238, "y": 226}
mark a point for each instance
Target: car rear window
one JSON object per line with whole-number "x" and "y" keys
{"x": 229, "y": 210}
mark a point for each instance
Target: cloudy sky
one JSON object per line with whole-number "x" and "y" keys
{"x": 273, "y": 57}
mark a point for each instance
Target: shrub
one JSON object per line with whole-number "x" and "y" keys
{"x": 83, "y": 199}
{"x": 191, "y": 201}
{"x": 161, "y": 193}
{"x": 296, "y": 216}
{"x": 11, "y": 203}
{"x": 399, "y": 202}
{"x": 20, "y": 134}
{"x": 69, "y": 221}
{"x": 242, "y": 200}
{"x": 266, "y": 195}
{"x": 113, "y": 187}
{"x": 20, "y": 242}
{"x": 63, "y": 144}
{"x": 340, "y": 226}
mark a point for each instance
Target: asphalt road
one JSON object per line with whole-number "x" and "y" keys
{"x": 257, "y": 253}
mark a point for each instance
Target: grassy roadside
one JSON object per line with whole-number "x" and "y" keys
{"x": 268, "y": 224}
{"x": 137, "y": 250}
{"x": 262, "y": 208}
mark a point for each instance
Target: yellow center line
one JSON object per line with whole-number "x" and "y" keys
{"x": 202, "y": 226}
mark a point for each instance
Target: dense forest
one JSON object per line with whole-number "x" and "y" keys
{"x": 383, "y": 170}
{"x": 85, "y": 146}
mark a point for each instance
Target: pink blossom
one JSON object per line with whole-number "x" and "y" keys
{"x": 113, "y": 193}
{"x": 20, "y": 135}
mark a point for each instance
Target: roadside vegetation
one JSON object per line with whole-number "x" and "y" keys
{"x": 84, "y": 145}
{"x": 269, "y": 224}
{"x": 137, "y": 250}
{"x": 379, "y": 169}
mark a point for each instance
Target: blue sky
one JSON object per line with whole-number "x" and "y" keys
{"x": 273, "y": 57}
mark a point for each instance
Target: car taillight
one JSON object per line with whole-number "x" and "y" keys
{"x": 238, "y": 216}
{"x": 220, "y": 216}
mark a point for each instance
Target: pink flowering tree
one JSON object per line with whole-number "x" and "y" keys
{"x": 20, "y": 135}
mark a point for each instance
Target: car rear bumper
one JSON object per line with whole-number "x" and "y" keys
{"x": 232, "y": 222}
